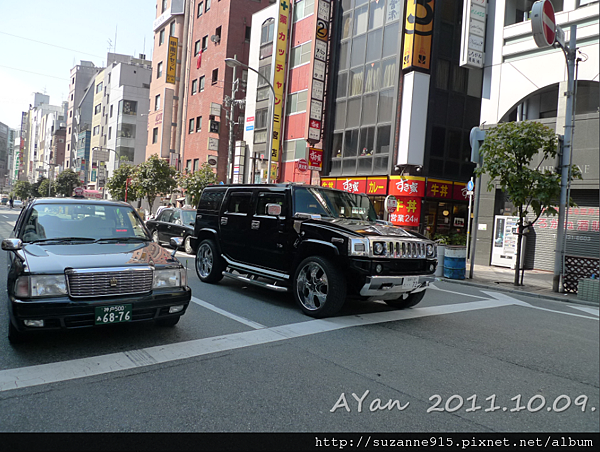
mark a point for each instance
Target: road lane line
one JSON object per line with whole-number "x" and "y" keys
{"x": 97, "y": 365}
{"x": 593, "y": 311}
{"x": 501, "y": 296}
{"x": 434, "y": 287}
{"x": 237, "y": 318}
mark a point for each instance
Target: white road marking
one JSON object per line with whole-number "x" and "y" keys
{"x": 593, "y": 311}
{"x": 507, "y": 299}
{"x": 237, "y": 318}
{"x": 434, "y": 287}
{"x": 97, "y": 365}
{"x": 5, "y": 216}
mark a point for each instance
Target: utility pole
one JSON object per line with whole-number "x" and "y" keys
{"x": 232, "y": 104}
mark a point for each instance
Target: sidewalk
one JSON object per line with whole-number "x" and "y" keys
{"x": 537, "y": 283}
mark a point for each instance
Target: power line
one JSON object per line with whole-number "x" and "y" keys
{"x": 36, "y": 73}
{"x": 51, "y": 45}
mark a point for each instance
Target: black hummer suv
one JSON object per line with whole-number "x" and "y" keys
{"x": 321, "y": 244}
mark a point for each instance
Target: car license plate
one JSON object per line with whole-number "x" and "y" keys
{"x": 113, "y": 314}
{"x": 410, "y": 282}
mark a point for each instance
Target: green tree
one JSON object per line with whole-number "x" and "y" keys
{"x": 43, "y": 188}
{"x": 155, "y": 177}
{"x": 194, "y": 183}
{"x": 22, "y": 189}
{"x": 508, "y": 152}
{"x": 35, "y": 188}
{"x": 66, "y": 181}
{"x": 117, "y": 183}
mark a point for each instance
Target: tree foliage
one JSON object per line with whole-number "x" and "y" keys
{"x": 43, "y": 188}
{"x": 66, "y": 181}
{"x": 35, "y": 188}
{"x": 155, "y": 177}
{"x": 508, "y": 152}
{"x": 22, "y": 189}
{"x": 194, "y": 183}
{"x": 117, "y": 183}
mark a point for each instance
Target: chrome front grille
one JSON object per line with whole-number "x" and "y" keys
{"x": 400, "y": 249}
{"x": 105, "y": 282}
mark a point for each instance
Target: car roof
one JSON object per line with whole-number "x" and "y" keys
{"x": 73, "y": 200}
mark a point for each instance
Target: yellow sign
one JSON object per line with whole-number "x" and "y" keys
{"x": 273, "y": 177}
{"x": 418, "y": 34}
{"x": 172, "y": 60}
{"x": 278, "y": 81}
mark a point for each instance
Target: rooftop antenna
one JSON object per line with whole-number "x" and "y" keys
{"x": 115, "y": 47}
{"x": 109, "y": 44}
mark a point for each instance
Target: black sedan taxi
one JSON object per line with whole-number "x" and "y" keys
{"x": 173, "y": 223}
{"x": 76, "y": 263}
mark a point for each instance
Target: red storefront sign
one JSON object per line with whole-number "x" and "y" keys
{"x": 352, "y": 184}
{"x": 315, "y": 159}
{"x": 439, "y": 189}
{"x": 459, "y": 192}
{"x": 408, "y": 212}
{"x": 407, "y": 186}
{"x": 377, "y": 186}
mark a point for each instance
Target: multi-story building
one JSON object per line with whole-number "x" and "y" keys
{"x": 79, "y": 80}
{"x": 5, "y": 147}
{"x": 524, "y": 82}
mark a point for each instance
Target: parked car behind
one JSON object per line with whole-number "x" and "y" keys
{"x": 86, "y": 263}
{"x": 173, "y": 222}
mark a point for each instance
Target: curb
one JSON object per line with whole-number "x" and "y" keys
{"x": 519, "y": 292}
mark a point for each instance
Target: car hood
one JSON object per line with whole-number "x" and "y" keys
{"x": 56, "y": 258}
{"x": 363, "y": 228}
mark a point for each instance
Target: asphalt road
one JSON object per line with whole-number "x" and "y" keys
{"x": 244, "y": 359}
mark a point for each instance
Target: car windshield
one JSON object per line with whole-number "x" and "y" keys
{"x": 81, "y": 221}
{"x": 188, "y": 217}
{"x": 332, "y": 203}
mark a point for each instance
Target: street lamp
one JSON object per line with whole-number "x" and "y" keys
{"x": 233, "y": 63}
{"x": 43, "y": 170}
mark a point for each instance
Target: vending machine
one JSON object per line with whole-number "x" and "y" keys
{"x": 504, "y": 248}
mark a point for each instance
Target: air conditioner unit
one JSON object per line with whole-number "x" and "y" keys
{"x": 212, "y": 160}
{"x": 215, "y": 38}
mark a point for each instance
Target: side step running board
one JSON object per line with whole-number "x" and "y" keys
{"x": 255, "y": 282}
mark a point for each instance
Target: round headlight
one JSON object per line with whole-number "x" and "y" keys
{"x": 430, "y": 250}
{"x": 378, "y": 248}
{"x": 378, "y": 268}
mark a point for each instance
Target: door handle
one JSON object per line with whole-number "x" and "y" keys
{"x": 223, "y": 220}
{"x": 255, "y": 224}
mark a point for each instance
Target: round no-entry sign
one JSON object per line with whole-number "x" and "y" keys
{"x": 302, "y": 165}
{"x": 543, "y": 23}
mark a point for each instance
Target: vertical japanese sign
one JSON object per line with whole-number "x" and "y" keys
{"x": 418, "y": 34}
{"x": 172, "y": 60}
{"x": 315, "y": 159}
{"x": 473, "y": 34}
{"x": 317, "y": 87}
{"x": 282, "y": 38}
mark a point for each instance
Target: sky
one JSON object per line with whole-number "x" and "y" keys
{"x": 41, "y": 41}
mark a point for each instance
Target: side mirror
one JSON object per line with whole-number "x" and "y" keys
{"x": 12, "y": 244}
{"x": 273, "y": 210}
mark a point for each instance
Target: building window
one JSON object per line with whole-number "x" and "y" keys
{"x": 207, "y": 7}
{"x": 215, "y": 76}
{"x": 218, "y": 32}
{"x": 197, "y": 47}
{"x": 265, "y": 71}
{"x": 161, "y": 37}
{"x": 172, "y": 29}
{"x": 196, "y": 164}
{"x": 200, "y": 11}
{"x": 266, "y": 34}
{"x": 204, "y": 43}
{"x": 157, "y": 102}
{"x": 191, "y": 128}
{"x": 164, "y": 6}
{"x": 301, "y": 54}
{"x": 96, "y": 130}
{"x": 188, "y": 166}
{"x": 155, "y": 135}
{"x": 260, "y": 120}
{"x": 198, "y": 123}
{"x": 201, "y": 88}
{"x": 159, "y": 67}
{"x": 97, "y": 109}
{"x": 111, "y": 111}
{"x": 303, "y": 8}
{"x": 194, "y": 86}
{"x": 98, "y": 87}
{"x": 69, "y": 131}
{"x": 248, "y": 33}
{"x": 297, "y": 102}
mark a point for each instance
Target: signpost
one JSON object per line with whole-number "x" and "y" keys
{"x": 543, "y": 23}
{"x": 302, "y": 165}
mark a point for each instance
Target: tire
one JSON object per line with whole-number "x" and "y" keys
{"x": 411, "y": 300}
{"x": 170, "y": 321}
{"x": 14, "y": 336}
{"x": 319, "y": 287}
{"x": 187, "y": 245}
{"x": 209, "y": 264}
{"x": 155, "y": 236}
